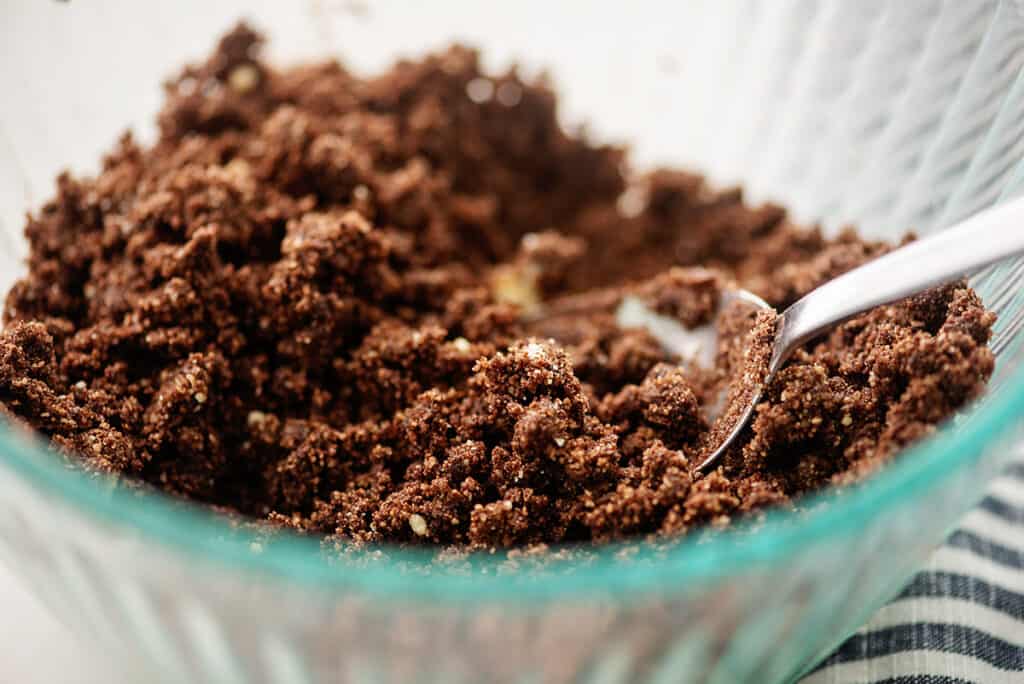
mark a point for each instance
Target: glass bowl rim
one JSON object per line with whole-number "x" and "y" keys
{"x": 200, "y": 535}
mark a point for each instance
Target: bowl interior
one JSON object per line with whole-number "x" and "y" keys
{"x": 891, "y": 116}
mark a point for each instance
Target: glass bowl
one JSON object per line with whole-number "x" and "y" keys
{"x": 885, "y": 114}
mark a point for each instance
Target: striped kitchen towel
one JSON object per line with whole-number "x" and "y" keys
{"x": 961, "y": 619}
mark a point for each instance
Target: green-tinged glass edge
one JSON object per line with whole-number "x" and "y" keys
{"x": 683, "y": 567}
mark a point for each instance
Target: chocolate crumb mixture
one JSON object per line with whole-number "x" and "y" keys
{"x": 381, "y": 311}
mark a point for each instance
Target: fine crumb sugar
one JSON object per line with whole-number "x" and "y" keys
{"x": 419, "y": 525}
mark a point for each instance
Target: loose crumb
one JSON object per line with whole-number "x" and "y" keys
{"x": 383, "y": 310}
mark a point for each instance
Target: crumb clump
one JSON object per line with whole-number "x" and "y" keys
{"x": 382, "y": 310}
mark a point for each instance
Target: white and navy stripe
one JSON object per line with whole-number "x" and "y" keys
{"x": 961, "y": 619}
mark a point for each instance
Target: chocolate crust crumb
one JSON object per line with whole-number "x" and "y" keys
{"x": 382, "y": 310}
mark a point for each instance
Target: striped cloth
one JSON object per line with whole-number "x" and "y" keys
{"x": 961, "y": 619}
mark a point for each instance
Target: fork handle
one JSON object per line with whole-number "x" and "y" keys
{"x": 983, "y": 239}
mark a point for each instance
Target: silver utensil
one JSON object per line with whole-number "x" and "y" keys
{"x": 953, "y": 253}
